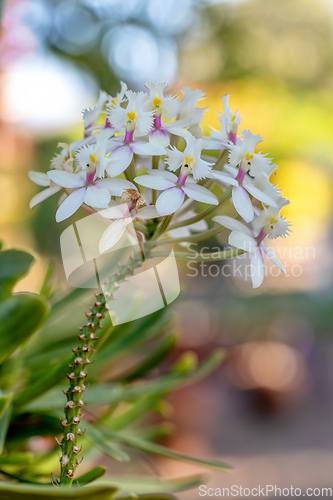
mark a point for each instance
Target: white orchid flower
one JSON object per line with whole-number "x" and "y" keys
{"x": 123, "y": 217}
{"x": 248, "y": 240}
{"x": 121, "y": 153}
{"x": 91, "y": 115}
{"x": 240, "y": 194}
{"x": 92, "y": 159}
{"x": 243, "y": 155}
{"x": 133, "y": 117}
{"x": 160, "y": 135}
{"x": 188, "y": 105}
{"x": 60, "y": 161}
{"x": 174, "y": 190}
{"x": 189, "y": 158}
{"x": 95, "y": 193}
{"x": 229, "y": 122}
{"x": 269, "y": 222}
{"x": 42, "y": 179}
{"x": 159, "y": 103}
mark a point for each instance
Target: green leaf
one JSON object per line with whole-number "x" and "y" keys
{"x": 20, "y": 316}
{"x": 98, "y": 439}
{"x": 5, "y": 413}
{"x": 151, "y": 361}
{"x": 157, "y": 449}
{"x": 14, "y": 264}
{"x": 19, "y": 458}
{"x": 150, "y": 485}
{"x": 150, "y": 496}
{"x": 101, "y": 394}
{"x": 89, "y": 476}
{"x": 14, "y": 491}
{"x": 46, "y": 288}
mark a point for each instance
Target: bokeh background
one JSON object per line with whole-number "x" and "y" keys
{"x": 269, "y": 409}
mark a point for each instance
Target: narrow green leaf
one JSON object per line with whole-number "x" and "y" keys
{"x": 14, "y": 491}
{"x": 5, "y": 413}
{"x": 151, "y": 496}
{"x": 14, "y": 264}
{"x": 97, "y": 437}
{"x": 157, "y": 449}
{"x": 46, "y": 288}
{"x": 101, "y": 394}
{"x": 20, "y": 316}
{"x": 151, "y": 361}
{"x": 128, "y": 485}
{"x": 19, "y": 458}
{"x": 129, "y": 416}
{"x": 90, "y": 476}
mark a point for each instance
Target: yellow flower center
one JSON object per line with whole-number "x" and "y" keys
{"x": 157, "y": 101}
{"x": 113, "y": 102}
{"x": 248, "y": 156}
{"x": 273, "y": 220}
{"x": 232, "y": 118}
{"x": 93, "y": 158}
{"x": 188, "y": 160}
{"x": 131, "y": 115}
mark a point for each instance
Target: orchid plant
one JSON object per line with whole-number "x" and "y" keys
{"x": 147, "y": 151}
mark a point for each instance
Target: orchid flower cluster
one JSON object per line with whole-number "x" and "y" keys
{"x": 148, "y": 150}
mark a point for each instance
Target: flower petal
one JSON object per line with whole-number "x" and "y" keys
{"x": 169, "y": 201}
{"x": 259, "y": 195}
{"x": 230, "y": 223}
{"x": 119, "y": 160}
{"x": 114, "y": 212}
{"x": 200, "y": 193}
{"x": 257, "y": 268}
{"x": 242, "y": 203}
{"x": 225, "y": 178}
{"x": 244, "y": 241}
{"x": 71, "y": 204}
{"x": 43, "y": 195}
{"x": 147, "y": 148}
{"x": 273, "y": 258}
{"x": 97, "y": 197}
{"x": 112, "y": 235}
{"x": 148, "y": 212}
{"x": 163, "y": 173}
{"x": 159, "y": 137}
{"x": 39, "y": 178}
{"x": 154, "y": 182}
{"x": 116, "y": 186}
{"x": 66, "y": 179}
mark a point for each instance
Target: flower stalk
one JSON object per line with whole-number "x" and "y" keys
{"x": 83, "y": 353}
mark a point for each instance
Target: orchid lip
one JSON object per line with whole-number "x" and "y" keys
{"x": 181, "y": 179}
{"x": 241, "y": 174}
{"x": 90, "y": 178}
{"x": 233, "y": 137}
{"x": 157, "y": 121}
{"x": 129, "y": 136}
{"x": 261, "y": 236}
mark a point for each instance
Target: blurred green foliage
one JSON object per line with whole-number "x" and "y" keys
{"x": 130, "y": 379}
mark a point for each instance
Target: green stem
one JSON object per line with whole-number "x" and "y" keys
{"x": 130, "y": 171}
{"x": 78, "y": 371}
{"x": 217, "y": 229}
{"x": 202, "y": 215}
{"x": 155, "y": 162}
{"x": 204, "y": 257}
{"x": 162, "y": 227}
